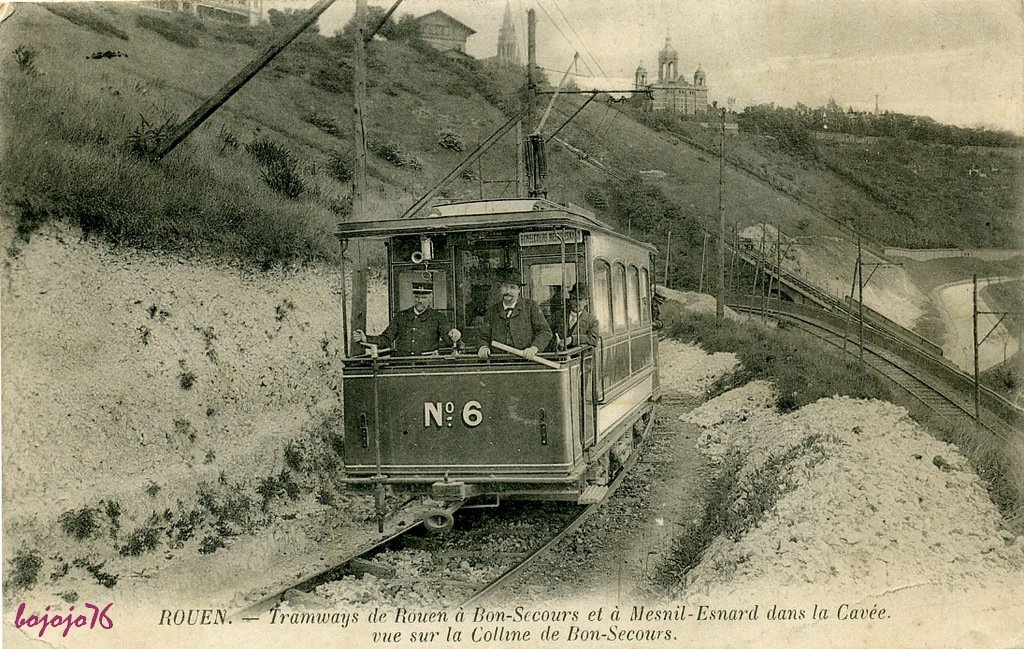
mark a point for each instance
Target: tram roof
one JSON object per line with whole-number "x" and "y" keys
{"x": 496, "y": 214}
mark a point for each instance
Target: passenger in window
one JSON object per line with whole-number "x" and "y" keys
{"x": 417, "y": 330}
{"x": 578, "y": 326}
{"x": 515, "y": 320}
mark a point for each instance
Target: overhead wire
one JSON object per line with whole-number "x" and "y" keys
{"x": 580, "y": 39}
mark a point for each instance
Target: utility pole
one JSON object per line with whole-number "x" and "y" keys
{"x": 720, "y": 301}
{"x": 668, "y": 253}
{"x": 978, "y": 343}
{"x": 860, "y": 300}
{"x": 778, "y": 263}
{"x": 977, "y": 381}
{"x": 703, "y": 255}
{"x": 359, "y": 277}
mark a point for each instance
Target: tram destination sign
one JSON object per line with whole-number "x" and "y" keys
{"x": 550, "y": 237}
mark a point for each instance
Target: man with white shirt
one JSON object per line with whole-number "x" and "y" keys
{"x": 515, "y": 320}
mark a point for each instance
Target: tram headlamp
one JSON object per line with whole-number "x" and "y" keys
{"x": 425, "y": 253}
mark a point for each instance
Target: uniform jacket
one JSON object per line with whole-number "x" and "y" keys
{"x": 410, "y": 334}
{"x": 525, "y": 327}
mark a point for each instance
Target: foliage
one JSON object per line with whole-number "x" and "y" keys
{"x": 25, "y": 57}
{"x": 393, "y": 153}
{"x": 24, "y": 571}
{"x": 180, "y": 29}
{"x": 78, "y": 14}
{"x": 280, "y": 167}
{"x": 832, "y": 118}
{"x": 80, "y": 524}
{"x": 448, "y": 139}
{"x": 407, "y": 27}
{"x": 145, "y": 140}
{"x": 324, "y": 123}
{"x": 339, "y": 167}
{"x": 803, "y": 370}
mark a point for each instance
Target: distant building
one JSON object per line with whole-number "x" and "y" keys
{"x": 251, "y": 12}
{"x": 444, "y": 32}
{"x": 671, "y": 92}
{"x": 508, "y": 45}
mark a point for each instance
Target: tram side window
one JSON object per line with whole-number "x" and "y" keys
{"x": 602, "y": 296}
{"x": 645, "y": 296}
{"x": 619, "y": 297}
{"x": 547, "y": 288}
{"x": 633, "y": 296}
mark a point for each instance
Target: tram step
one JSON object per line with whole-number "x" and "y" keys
{"x": 592, "y": 494}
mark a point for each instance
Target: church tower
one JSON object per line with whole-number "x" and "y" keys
{"x": 640, "y": 77}
{"x": 699, "y": 78}
{"x": 668, "y": 63}
{"x": 508, "y": 47}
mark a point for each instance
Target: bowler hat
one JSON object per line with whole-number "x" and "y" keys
{"x": 510, "y": 276}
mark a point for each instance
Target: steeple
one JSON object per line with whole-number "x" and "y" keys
{"x": 640, "y": 76}
{"x": 508, "y": 46}
{"x": 668, "y": 63}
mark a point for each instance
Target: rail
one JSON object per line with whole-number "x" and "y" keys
{"x": 938, "y": 367}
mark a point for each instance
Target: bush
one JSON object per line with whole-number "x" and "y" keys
{"x": 391, "y": 152}
{"x": 181, "y": 32}
{"x": 450, "y": 140}
{"x": 280, "y": 167}
{"x": 325, "y": 124}
{"x": 80, "y": 524}
{"x": 339, "y": 167}
{"x": 802, "y": 369}
{"x": 84, "y": 17}
{"x": 24, "y": 572}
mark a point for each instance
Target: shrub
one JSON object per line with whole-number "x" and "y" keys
{"x": 145, "y": 140}
{"x": 80, "y": 524}
{"x": 26, "y": 59}
{"x": 24, "y": 572}
{"x": 391, "y": 152}
{"x": 181, "y": 32}
{"x": 450, "y": 140}
{"x": 144, "y": 539}
{"x": 325, "y": 124}
{"x": 803, "y": 370}
{"x": 84, "y": 17}
{"x": 339, "y": 167}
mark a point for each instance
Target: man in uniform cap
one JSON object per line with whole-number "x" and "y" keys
{"x": 515, "y": 320}
{"x": 418, "y": 329}
{"x": 578, "y": 326}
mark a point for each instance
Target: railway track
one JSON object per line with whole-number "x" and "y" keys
{"x": 499, "y": 567}
{"x": 941, "y": 399}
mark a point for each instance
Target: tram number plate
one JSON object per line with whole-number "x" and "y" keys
{"x": 442, "y": 413}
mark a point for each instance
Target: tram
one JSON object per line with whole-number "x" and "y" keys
{"x": 463, "y": 430}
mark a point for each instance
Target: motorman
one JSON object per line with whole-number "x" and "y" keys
{"x": 420, "y": 329}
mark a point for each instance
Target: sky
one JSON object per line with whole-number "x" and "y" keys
{"x": 957, "y": 61}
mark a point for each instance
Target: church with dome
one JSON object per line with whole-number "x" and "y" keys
{"x": 671, "y": 92}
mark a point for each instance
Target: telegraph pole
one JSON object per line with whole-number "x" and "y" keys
{"x": 860, "y": 300}
{"x": 977, "y": 381}
{"x": 359, "y": 277}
